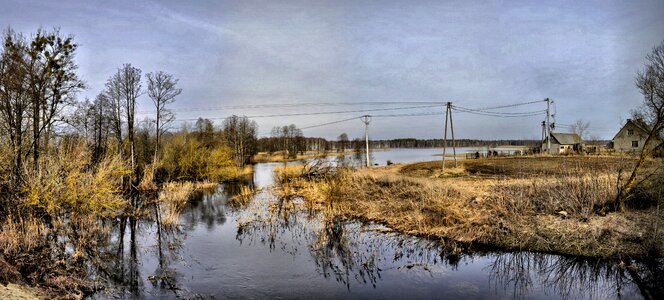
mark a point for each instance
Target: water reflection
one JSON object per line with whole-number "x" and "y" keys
{"x": 272, "y": 247}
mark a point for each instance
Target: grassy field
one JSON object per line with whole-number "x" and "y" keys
{"x": 545, "y": 204}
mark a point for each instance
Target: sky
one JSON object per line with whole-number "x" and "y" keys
{"x": 581, "y": 54}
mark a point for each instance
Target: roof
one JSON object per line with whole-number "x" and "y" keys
{"x": 566, "y": 138}
{"x": 639, "y": 124}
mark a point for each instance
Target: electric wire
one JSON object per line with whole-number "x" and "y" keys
{"x": 318, "y": 113}
{"x": 292, "y": 105}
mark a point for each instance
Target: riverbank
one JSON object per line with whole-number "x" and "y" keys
{"x": 542, "y": 204}
{"x": 264, "y": 157}
{"x": 16, "y": 292}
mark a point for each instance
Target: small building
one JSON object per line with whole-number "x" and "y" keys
{"x": 632, "y": 136}
{"x": 563, "y": 143}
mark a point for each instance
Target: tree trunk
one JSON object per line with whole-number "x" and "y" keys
{"x": 631, "y": 181}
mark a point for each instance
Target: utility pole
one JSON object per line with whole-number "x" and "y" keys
{"x": 548, "y": 125}
{"x": 366, "y": 119}
{"x": 448, "y": 115}
{"x": 449, "y": 108}
{"x": 543, "y": 130}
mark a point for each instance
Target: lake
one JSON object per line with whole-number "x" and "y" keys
{"x": 265, "y": 250}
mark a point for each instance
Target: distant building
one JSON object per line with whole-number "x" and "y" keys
{"x": 632, "y": 136}
{"x": 563, "y": 143}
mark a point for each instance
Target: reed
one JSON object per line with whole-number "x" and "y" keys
{"x": 172, "y": 199}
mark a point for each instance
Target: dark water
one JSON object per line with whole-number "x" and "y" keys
{"x": 265, "y": 250}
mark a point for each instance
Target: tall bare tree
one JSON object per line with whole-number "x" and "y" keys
{"x": 14, "y": 100}
{"x": 124, "y": 88}
{"x": 241, "y": 135}
{"x": 52, "y": 83}
{"x": 581, "y": 128}
{"x": 162, "y": 92}
{"x": 650, "y": 82}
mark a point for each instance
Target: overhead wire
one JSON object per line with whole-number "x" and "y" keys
{"x": 320, "y": 113}
{"x": 301, "y": 104}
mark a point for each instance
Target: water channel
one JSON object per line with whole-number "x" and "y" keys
{"x": 265, "y": 250}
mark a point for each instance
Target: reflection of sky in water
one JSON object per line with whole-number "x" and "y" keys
{"x": 278, "y": 253}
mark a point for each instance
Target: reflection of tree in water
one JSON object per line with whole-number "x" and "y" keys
{"x": 271, "y": 223}
{"x": 168, "y": 246}
{"x": 210, "y": 208}
{"x": 338, "y": 254}
{"x": 569, "y": 277}
{"x": 346, "y": 251}
{"x": 117, "y": 266}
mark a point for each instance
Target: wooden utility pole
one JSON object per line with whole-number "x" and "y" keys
{"x": 543, "y": 132}
{"x": 548, "y": 126}
{"x": 448, "y": 115}
{"x": 366, "y": 119}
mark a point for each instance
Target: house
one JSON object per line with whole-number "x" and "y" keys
{"x": 563, "y": 143}
{"x": 632, "y": 136}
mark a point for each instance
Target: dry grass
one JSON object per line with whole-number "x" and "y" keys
{"x": 21, "y": 236}
{"x": 509, "y": 210}
{"x": 279, "y": 156}
{"x": 243, "y": 198}
{"x": 172, "y": 199}
{"x": 205, "y": 185}
{"x": 147, "y": 181}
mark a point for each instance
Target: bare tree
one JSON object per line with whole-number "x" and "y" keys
{"x": 162, "y": 91}
{"x": 125, "y": 87}
{"x": 343, "y": 142}
{"x": 113, "y": 95}
{"x": 581, "y": 128}
{"x": 650, "y": 82}
{"x": 14, "y": 100}
{"x": 241, "y": 135}
{"x": 52, "y": 82}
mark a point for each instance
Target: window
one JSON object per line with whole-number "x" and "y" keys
{"x": 635, "y": 144}
{"x": 630, "y": 131}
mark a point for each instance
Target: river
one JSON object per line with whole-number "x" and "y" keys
{"x": 265, "y": 250}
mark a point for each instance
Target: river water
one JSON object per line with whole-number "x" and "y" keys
{"x": 265, "y": 250}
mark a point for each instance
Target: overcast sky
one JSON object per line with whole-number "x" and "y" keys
{"x": 473, "y": 53}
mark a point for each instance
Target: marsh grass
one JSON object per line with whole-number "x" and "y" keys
{"x": 21, "y": 235}
{"x": 243, "y": 198}
{"x": 172, "y": 199}
{"x": 521, "y": 205}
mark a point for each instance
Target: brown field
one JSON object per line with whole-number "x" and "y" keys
{"x": 546, "y": 204}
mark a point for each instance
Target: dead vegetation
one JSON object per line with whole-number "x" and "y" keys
{"x": 243, "y": 198}
{"x": 172, "y": 199}
{"x": 552, "y": 205}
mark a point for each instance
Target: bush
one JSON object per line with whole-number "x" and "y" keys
{"x": 185, "y": 158}
{"x": 67, "y": 186}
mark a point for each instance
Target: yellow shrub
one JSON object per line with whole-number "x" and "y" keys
{"x": 66, "y": 183}
{"x": 185, "y": 158}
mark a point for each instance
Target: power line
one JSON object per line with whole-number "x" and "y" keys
{"x": 291, "y": 105}
{"x": 330, "y": 123}
{"x": 319, "y": 113}
{"x": 374, "y": 116}
{"x": 408, "y": 115}
{"x": 500, "y": 114}
{"x": 506, "y": 106}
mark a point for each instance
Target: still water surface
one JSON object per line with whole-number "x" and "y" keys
{"x": 265, "y": 250}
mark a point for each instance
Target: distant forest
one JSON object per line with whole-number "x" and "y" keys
{"x": 301, "y": 144}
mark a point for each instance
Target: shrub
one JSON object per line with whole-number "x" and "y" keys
{"x": 67, "y": 185}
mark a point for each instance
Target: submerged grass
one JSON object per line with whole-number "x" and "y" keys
{"x": 510, "y": 210}
{"x": 172, "y": 199}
